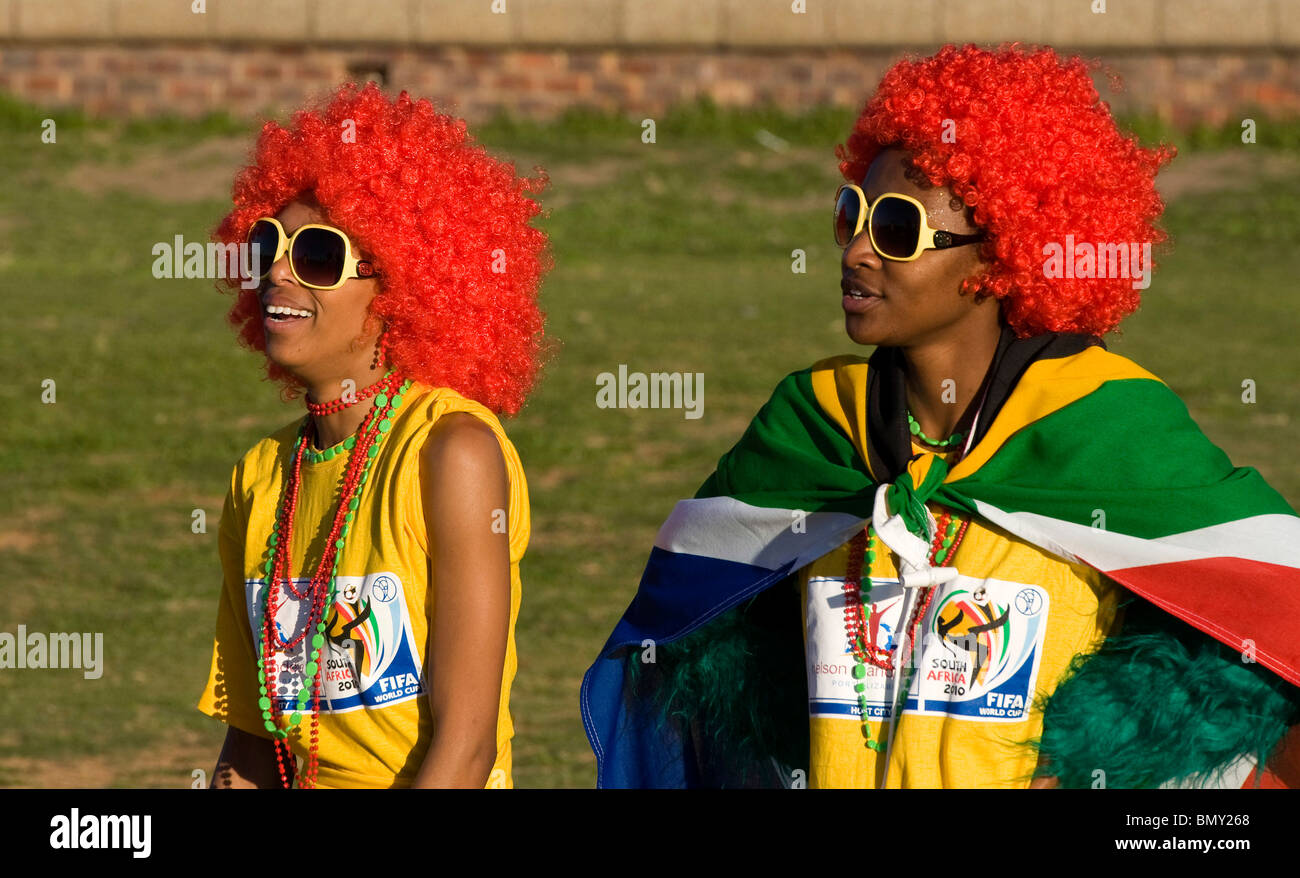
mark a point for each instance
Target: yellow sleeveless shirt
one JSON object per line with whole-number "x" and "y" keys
{"x": 378, "y": 722}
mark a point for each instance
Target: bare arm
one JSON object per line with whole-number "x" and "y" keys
{"x": 465, "y": 490}
{"x": 246, "y": 762}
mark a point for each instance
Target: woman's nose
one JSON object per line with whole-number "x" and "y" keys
{"x": 280, "y": 270}
{"x": 859, "y": 252}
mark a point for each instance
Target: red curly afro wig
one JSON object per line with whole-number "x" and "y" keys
{"x": 435, "y": 213}
{"x": 1036, "y": 154}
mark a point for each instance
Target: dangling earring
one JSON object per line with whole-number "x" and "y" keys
{"x": 381, "y": 351}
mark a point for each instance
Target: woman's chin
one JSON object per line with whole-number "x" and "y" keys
{"x": 861, "y": 331}
{"x": 279, "y": 356}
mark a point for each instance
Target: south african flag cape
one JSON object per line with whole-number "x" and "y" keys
{"x": 1077, "y": 450}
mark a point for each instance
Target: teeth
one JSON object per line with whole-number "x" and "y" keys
{"x": 292, "y": 312}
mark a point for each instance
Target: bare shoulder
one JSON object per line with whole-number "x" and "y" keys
{"x": 460, "y": 442}
{"x": 463, "y": 482}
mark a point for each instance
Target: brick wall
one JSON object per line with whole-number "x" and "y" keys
{"x": 1188, "y": 60}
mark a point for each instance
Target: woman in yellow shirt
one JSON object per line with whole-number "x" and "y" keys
{"x": 365, "y": 629}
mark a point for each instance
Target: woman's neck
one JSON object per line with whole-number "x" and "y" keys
{"x": 333, "y": 428}
{"x": 943, "y": 377}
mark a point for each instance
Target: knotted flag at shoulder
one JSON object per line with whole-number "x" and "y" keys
{"x": 1077, "y": 450}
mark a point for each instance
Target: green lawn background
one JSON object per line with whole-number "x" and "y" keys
{"x": 669, "y": 256}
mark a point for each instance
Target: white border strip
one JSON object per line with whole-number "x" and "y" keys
{"x": 1269, "y": 539}
{"x": 729, "y": 530}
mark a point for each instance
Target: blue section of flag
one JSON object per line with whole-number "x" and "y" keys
{"x": 633, "y": 748}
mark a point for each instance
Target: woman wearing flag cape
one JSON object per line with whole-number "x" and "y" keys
{"x": 994, "y": 553}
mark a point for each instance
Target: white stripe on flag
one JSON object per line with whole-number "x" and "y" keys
{"x": 1270, "y": 539}
{"x": 727, "y": 529}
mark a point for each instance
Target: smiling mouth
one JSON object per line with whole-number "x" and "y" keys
{"x": 283, "y": 314}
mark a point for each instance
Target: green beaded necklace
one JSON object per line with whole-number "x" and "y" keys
{"x": 942, "y": 443}
{"x": 372, "y": 432}
{"x": 857, "y": 588}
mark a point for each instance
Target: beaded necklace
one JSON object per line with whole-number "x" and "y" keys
{"x": 362, "y": 448}
{"x": 915, "y": 429}
{"x": 338, "y": 405}
{"x": 857, "y": 594}
{"x": 857, "y": 588}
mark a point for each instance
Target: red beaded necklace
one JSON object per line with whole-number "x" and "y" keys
{"x": 865, "y": 650}
{"x": 321, "y": 586}
{"x": 320, "y": 409}
{"x": 864, "y": 647}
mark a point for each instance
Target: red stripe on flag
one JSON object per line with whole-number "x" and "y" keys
{"x": 1202, "y": 594}
{"x": 1266, "y": 781}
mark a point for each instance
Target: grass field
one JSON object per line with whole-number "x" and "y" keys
{"x": 671, "y": 256}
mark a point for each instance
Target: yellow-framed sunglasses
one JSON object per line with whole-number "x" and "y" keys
{"x": 320, "y": 256}
{"x": 896, "y": 223}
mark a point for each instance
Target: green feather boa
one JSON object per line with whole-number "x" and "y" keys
{"x": 1160, "y": 702}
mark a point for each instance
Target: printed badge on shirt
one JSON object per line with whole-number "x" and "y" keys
{"x": 978, "y": 657}
{"x": 369, "y": 658}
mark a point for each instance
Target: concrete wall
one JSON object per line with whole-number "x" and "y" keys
{"x": 701, "y": 23}
{"x": 1188, "y": 60}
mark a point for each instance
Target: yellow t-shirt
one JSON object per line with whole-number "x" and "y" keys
{"x": 377, "y": 726}
{"x": 982, "y": 663}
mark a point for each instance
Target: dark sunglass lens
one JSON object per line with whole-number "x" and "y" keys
{"x": 895, "y": 227}
{"x": 318, "y": 257}
{"x": 846, "y": 217}
{"x": 266, "y": 237}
